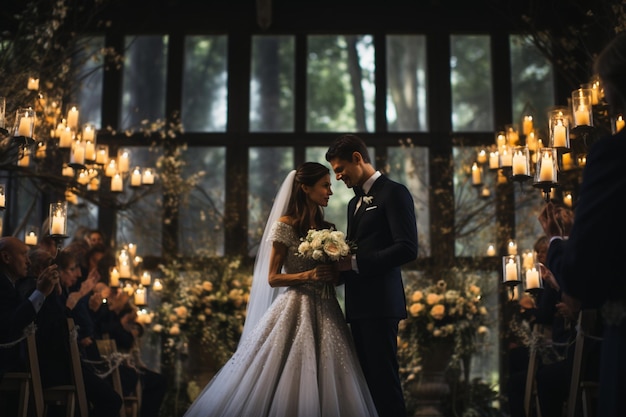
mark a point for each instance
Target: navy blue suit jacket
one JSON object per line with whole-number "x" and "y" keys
{"x": 593, "y": 269}
{"x": 16, "y": 312}
{"x": 385, "y": 233}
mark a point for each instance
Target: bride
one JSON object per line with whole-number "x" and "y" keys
{"x": 296, "y": 356}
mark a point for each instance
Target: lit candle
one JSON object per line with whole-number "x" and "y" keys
{"x": 116, "y": 183}
{"x": 485, "y": 192}
{"x": 68, "y": 171}
{"x": 528, "y": 260}
{"x": 33, "y": 83}
{"x": 123, "y": 162}
{"x": 491, "y": 250}
{"x": 157, "y": 286}
{"x": 58, "y": 224}
{"x": 527, "y": 125}
{"x": 90, "y": 151}
{"x": 476, "y": 177}
{"x": 482, "y": 156}
{"x": 83, "y": 177}
{"x": 125, "y": 270}
{"x": 148, "y": 177}
{"x": 94, "y": 184}
{"x": 88, "y": 133}
{"x": 65, "y": 140}
{"x": 512, "y": 137}
{"x": 532, "y": 278}
{"x": 31, "y": 239}
{"x": 520, "y": 164}
{"x": 2, "y": 199}
{"x": 101, "y": 156}
{"x": 512, "y": 248}
{"x": 531, "y": 141}
{"x": 145, "y": 278}
{"x": 114, "y": 277}
{"x": 567, "y": 199}
{"x": 581, "y": 116}
{"x": 41, "y": 150}
{"x": 111, "y": 169}
{"x": 72, "y": 118}
{"x": 500, "y": 139}
{"x": 132, "y": 250}
{"x": 568, "y": 161}
{"x": 546, "y": 174}
{"x": 78, "y": 153}
{"x": 26, "y": 127}
{"x": 494, "y": 160}
{"x": 140, "y": 296}
{"x": 619, "y": 123}
{"x": 559, "y": 135}
{"x": 511, "y": 271}
{"x": 135, "y": 179}
{"x": 506, "y": 159}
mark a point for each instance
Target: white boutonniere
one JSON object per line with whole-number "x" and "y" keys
{"x": 368, "y": 199}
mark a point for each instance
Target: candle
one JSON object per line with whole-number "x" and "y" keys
{"x": 482, "y": 156}
{"x": 72, "y": 118}
{"x": 90, "y": 151}
{"x": 145, "y": 278}
{"x": 528, "y": 260}
{"x": 511, "y": 271}
{"x": 527, "y": 125}
{"x": 531, "y": 141}
{"x": 506, "y": 159}
{"x": 2, "y": 199}
{"x": 58, "y": 224}
{"x": 116, "y": 183}
{"x": 157, "y": 286}
{"x": 140, "y": 296}
{"x": 41, "y": 150}
{"x": 111, "y": 169}
{"x": 476, "y": 177}
{"x": 491, "y": 250}
{"x": 123, "y": 162}
{"x": 78, "y": 153}
{"x": 26, "y": 127}
{"x": 148, "y": 177}
{"x": 559, "y": 135}
{"x": 65, "y": 140}
{"x": 619, "y": 123}
{"x": 33, "y": 83}
{"x": 132, "y": 249}
{"x": 135, "y": 179}
{"x": 567, "y": 199}
{"x": 532, "y": 279}
{"x": 125, "y": 270}
{"x": 512, "y": 137}
{"x": 68, "y": 171}
{"x": 94, "y": 184}
{"x": 581, "y": 116}
{"x": 101, "y": 156}
{"x": 568, "y": 162}
{"x": 485, "y": 192}
{"x": 500, "y": 139}
{"x": 520, "y": 164}
{"x": 30, "y": 239}
{"x": 512, "y": 248}
{"x": 547, "y": 170}
{"x": 24, "y": 161}
{"x": 494, "y": 160}
{"x": 88, "y": 133}
{"x": 114, "y": 277}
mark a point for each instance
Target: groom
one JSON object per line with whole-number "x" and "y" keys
{"x": 381, "y": 221}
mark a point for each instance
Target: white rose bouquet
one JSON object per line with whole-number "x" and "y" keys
{"x": 325, "y": 245}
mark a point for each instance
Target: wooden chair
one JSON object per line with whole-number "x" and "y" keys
{"x": 17, "y": 382}
{"x": 107, "y": 348}
{"x": 531, "y": 406}
{"x": 582, "y": 391}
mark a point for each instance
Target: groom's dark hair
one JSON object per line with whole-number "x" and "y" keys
{"x": 345, "y": 145}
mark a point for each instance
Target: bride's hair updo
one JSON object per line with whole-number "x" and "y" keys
{"x": 308, "y": 173}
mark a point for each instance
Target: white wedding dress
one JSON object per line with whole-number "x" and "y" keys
{"x": 299, "y": 361}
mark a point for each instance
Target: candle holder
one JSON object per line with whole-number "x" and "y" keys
{"x": 582, "y": 107}
{"x": 559, "y": 127}
{"x": 511, "y": 272}
{"x": 546, "y": 173}
{"x": 534, "y": 283}
{"x": 520, "y": 171}
{"x": 24, "y": 127}
{"x": 58, "y": 223}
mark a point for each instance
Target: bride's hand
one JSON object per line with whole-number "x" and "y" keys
{"x": 325, "y": 273}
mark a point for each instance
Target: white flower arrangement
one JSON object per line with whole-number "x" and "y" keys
{"x": 325, "y": 245}
{"x": 368, "y": 199}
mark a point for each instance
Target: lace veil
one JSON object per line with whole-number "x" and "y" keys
{"x": 261, "y": 294}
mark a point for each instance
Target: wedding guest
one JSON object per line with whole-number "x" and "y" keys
{"x": 382, "y": 223}
{"x": 589, "y": 261}
{"x": 296, "y": 355}
{"x": 18, "y": 311}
